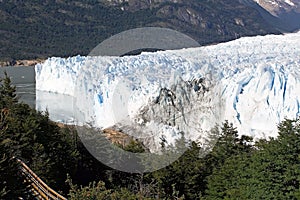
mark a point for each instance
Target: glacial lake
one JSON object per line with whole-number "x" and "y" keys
{"x": 24, "y": 80}
{"x": 60, "y": 107}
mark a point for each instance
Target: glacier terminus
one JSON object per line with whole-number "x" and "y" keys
{"x": 253, "y": 82}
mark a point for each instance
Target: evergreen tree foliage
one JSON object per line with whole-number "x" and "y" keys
{"x": 99, "y": 192}
{"x": 30, "y": 136}
{"x": 183, "y": 176}
{"x": 272, "y": 171}
{"x": 7, "y": 91}
{"x": 229, "y": 166}
{"x": 134, "y": 147}
{"x": 229, "y": 143}
{"x": 8, "y": 166}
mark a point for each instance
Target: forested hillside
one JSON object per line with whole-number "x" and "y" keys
{"x": 35, "y": 29}
{"x": 235, "y": 167}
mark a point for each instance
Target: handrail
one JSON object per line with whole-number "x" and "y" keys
{"x": 38, "y": 185}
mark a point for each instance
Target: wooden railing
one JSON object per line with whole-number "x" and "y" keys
{"x": 37, "y": 185}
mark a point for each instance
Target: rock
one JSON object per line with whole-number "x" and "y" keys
{"x": 21, "y": 62}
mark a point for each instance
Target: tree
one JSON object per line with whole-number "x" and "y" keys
{"x": 229, "y": 143}
{"x": 99, "y": 191}
{"x": 184, "y": 177}
{"x": 30, "y": 136}
{"x": 8, "y": 94}
{"x": 271, "y": 171}
{"x": 11, "y": 184}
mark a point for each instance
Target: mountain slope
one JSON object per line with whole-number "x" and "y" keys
{"x": 277, "y": 7}
{"x": 30, "y": 29}
{"x": 288, "y": 11}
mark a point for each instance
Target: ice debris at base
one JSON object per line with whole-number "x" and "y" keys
{"x": 253, "y": 82}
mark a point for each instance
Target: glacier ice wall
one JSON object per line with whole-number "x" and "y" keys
{"x": 252, "y": 82}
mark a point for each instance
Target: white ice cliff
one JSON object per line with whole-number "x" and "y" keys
{"x": 253, "y": 82}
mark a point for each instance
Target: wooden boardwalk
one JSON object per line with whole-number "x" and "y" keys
{"x": 40, "y": 189}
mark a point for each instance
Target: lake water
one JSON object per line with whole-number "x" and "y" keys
{"x": 24, "y": 80}
{"x": 60, "y": 106}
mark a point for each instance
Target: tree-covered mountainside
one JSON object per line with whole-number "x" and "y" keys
{"x": 39, "y": 29}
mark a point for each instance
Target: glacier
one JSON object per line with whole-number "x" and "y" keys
{"x": 253, "y": 82}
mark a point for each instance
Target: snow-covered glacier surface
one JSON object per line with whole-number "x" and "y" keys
{"x": 253, "y": 82}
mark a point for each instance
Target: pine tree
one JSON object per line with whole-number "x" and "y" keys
{"x": 270, "y": 171}
{"x": 30, "y": 136}
{"x": 7, "y": 92}
{"x": 11, "y": 184}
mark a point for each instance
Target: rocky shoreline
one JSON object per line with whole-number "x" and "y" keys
{"x": 21, "y": 62}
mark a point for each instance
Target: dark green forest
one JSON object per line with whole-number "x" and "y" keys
{"x": 40, "y": 29}
{"x": 236, "y": 167}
